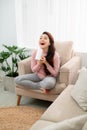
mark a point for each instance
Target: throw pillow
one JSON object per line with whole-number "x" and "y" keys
{"x": 79, "y": 92}
{"x": 75, "y": 123}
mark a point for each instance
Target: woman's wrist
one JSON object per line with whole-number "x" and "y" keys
{"x": 46, "y": 63}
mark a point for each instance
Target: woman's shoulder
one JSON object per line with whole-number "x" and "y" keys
{"x": 56, "y": 56}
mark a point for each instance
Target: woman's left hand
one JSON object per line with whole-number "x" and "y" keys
{"x": 43, "y": 60}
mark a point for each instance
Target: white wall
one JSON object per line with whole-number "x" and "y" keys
{"x": 7, "y": 23}
{"x": 8, "y": 34}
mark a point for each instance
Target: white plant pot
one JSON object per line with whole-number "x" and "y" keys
{"x": 9, "y": 84}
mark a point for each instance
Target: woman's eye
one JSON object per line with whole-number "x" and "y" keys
{"x": 40, "y": 37}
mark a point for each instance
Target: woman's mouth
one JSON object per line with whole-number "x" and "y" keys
{"x": 42, "y": 43}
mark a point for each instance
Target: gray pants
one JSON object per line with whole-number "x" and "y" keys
{"x": 33, "y": 81}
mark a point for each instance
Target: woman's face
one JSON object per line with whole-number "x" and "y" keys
{"x": 44, "y": 41}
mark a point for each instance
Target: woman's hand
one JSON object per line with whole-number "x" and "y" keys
{"x": 43, "y": 60}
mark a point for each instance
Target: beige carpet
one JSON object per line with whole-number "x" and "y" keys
{"x": 19, "y": 118}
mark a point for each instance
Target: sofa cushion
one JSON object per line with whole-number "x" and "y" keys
{"x": 65, "y": 50}
{"x": 64, "y": 107}
{"x": 79, "y": 92}
{"x": 85, "y": 126}
{"x": 40, "y": 124}
{"x": 75, "y": 123}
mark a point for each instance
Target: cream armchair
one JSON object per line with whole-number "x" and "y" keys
{"x": 70, "y": 64}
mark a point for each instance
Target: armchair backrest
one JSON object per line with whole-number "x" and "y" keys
{"x": 65, "y": 50}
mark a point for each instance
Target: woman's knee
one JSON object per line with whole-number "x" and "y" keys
{"x": 17, "y": 80}
{"x": 48, "y": 83}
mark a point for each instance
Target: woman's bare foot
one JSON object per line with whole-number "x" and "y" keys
{"x": 45, "y": 90}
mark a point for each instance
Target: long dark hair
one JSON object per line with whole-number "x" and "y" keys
{"x": 51, "y": 51}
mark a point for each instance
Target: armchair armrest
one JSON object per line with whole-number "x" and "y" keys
{"x": 69, "y": 71}
{"x": 24, "y": 66}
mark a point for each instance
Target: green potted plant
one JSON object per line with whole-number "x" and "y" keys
{"x": 9, "y": 59}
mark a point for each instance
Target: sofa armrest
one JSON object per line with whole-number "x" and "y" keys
{"x": 69, "y": 71}
{"x": 24, "y": 66}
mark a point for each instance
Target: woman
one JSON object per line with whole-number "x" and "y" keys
{"x": 44, "y": 70}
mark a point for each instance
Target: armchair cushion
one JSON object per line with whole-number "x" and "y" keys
{"x": 58, "y": 88}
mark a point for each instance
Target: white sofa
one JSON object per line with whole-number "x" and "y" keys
{"x": 62, "y": 109}
{"x": 69, "y": 110}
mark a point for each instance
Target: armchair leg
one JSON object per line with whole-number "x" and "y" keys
{"x": 18, "y": 100}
